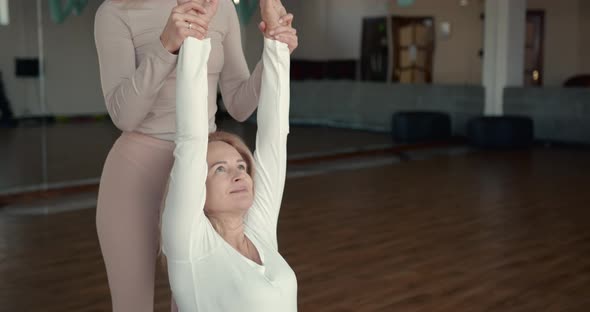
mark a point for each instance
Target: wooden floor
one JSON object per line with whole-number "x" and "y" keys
{"x": 483, "y": 232}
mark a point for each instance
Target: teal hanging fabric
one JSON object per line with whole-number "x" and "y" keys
{"x": 246, "y": 9}
{"x": 59, "y": 12}
{"x": 405, "y": 3}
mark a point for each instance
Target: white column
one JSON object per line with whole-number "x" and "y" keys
{"x": 503, "y": 63}
{"x": 4, "y": 13}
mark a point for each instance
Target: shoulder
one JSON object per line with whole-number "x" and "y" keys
{"x": 111, "y": 6}
{"x": 114, "y": 14}
{"x": 111, "y": 19}
{"x": 121, "y": 8}
{"x": 110, "y": 9}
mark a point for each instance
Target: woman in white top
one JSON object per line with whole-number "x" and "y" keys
{"x": 220, "y": 221}
{"x": 137, "y": 43}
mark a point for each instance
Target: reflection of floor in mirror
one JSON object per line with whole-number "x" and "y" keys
{"x": 51, "y": 205}
{"x": 495, "y": 231}
{"x": 300, "y": 165}
{"x": 76, "y": 151}
{"x": 74, "y": 160}
{"x": 73, "y": 152}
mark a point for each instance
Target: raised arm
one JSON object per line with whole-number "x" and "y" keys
{"x": 239, "y": 89}
{"x": 270, "y": 155}
{"x": 186, "y": 191}
{"x": 129, "y": 91}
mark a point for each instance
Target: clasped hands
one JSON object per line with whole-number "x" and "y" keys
{"x": 192, "y": 18}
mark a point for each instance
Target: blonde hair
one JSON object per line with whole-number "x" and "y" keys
{"x": 218, "y": 136}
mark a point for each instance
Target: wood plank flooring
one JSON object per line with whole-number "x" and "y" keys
{"x": 505, "y": 231}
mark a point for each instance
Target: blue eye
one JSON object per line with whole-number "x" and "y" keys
{"x": 241, "y": 167}
{"x": 220, "y": 169}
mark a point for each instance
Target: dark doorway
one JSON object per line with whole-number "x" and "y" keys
{"x": 374, "y": 53}
{"x": 533, "y": 50}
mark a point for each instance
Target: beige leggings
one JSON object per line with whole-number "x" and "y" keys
{"x": 127, "y": 217}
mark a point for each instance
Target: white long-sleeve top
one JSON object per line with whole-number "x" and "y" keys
{"x": 206, "y": 273}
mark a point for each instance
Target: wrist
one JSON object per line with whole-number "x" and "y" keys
{"x": 167, "y": 46}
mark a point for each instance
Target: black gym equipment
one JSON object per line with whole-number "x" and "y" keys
{"x": 501, "y": 132}
{"x": 420, "y": 126}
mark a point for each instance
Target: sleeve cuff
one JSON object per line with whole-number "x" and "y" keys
{"x": 276, "y": 45}
{"x": 162, "y": 53}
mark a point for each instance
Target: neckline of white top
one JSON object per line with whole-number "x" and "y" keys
{"x": 259, "y": 267}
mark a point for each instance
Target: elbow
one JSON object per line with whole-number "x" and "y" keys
{"x": 241, "y": 118}
{"x": 123, "y": 122}
{"x": 125, "y": 126}
{"x": 124, "y": 111}
{"x": 240, "y": 115}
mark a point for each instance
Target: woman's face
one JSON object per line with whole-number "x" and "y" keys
{"x": 229, "y": 186}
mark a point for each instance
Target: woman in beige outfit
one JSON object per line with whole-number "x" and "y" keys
{"x": 137, "y": 42}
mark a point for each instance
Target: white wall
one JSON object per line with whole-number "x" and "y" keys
{"x": 343, "y": 26}
{"x": 456, "y": 59}
{"x": 19, "y": 39}
{"x": 72, "y": 75}
{"x": 328, "y": 29}
{"x": 331, "y": 29}
{"x": 72, "y": 80}
{"x": 562, "y": 52}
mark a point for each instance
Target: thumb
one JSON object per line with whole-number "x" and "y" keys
{"x": 262, "y": 26}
